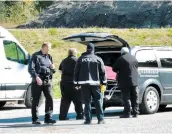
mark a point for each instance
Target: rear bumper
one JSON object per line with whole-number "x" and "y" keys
{"x": 115, "y": 100}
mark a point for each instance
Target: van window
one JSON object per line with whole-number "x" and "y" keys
{"x": 13, "y": 52}
{"x": 146, "y": 58}
{"x": 165, "y": 58}
{"x": 21, "y": 55}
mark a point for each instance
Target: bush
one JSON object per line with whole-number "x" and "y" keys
{"x": 18, "y": 12}
{"x": 169, "y": 32}
{"x": 131, "y": 29}
{"x": 52, "y": 31}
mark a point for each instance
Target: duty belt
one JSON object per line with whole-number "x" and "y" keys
{"x": 46, "y": 82}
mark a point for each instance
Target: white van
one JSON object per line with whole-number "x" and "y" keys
{"x": 14, "y": 77}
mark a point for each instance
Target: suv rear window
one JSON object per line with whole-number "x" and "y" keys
{"x": 165, "y": 58}
{"x": 146, "y": 58}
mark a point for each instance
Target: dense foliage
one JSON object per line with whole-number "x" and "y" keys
{"x": 17, "y": 12}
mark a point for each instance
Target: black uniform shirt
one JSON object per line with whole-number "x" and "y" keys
{"x": 67, "y": 67}
{"x": 40, "y": 65}
{"x": 126, "y": 66}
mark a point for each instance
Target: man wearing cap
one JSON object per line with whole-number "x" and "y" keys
{"x": 127, "y": 66}
{"x": 90, "y": 75}
{"x": 68, "y": 91}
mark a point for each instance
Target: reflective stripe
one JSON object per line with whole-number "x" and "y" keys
{"x": 75, "y": 82}
{"x": 88, "y": 82}
{"x": 105, "y": 81}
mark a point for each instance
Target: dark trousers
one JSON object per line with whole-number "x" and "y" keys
{"x": 36, "y": 94}
{"x": 94, "y": 92}
{"x": 130, "y": 99}
{"x": 70, "y": 94}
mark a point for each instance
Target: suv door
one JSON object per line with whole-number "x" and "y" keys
{"x": 165, "y": 57}
{"x": 15, "y": 70}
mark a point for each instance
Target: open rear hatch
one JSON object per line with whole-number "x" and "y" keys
{"x": 99, "y": 39}
{"x": 106, "y": 45}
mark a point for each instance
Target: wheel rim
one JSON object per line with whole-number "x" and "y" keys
{"x": 152, "y": 100}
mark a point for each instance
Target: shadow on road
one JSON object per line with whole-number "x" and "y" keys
{"x": 168, "y": 109}
{"x": 107, "y": 114}
{"x": 27, "y": 119}
{"x": 71, "y": 116}
{"x": 42, "y": 125}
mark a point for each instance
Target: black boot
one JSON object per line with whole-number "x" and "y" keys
{"x": 79, "y": 117}
{"x": 87, "y": 122}
{"x": 49, "y": 121}
{"x": 36, "y": 122}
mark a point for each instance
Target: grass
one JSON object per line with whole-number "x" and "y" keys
{"x": 32, "y": 39}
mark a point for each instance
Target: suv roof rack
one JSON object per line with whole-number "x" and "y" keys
{"x": 152, "y": 46}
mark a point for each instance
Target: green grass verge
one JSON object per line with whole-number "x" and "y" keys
{"x": 32, "y": 39}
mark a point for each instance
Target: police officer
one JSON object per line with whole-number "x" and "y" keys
{"x": 68, "y": 91}
{"x": 41, "y": 68}
{"x": 90, "y": 74}
{"x": 127, "y": 66}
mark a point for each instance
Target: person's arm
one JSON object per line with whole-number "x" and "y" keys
{"x": 77, "y": 71}
{"x": 116, "y": 65}
{"x": 52, "y": 66}
{"x": 32, "y": 66}
{"x": 102, "y": 72}
{"x": 137, "y": 63}
{"x": 60, "y": 67}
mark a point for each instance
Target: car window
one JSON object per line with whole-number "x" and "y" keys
{"x": 165, "y": 58}
{"x": 21, "y": 55}
{"x": 146, "y": 58}
{"x": 13, "y": 52}
{"x": 10, "y": 50}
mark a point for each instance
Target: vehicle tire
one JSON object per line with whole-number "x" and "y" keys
{"x": 28, "y": 98}
{"x": 150, "y": 101}
{"x": 2, "y": 103}
{"x": 162, "y": 106}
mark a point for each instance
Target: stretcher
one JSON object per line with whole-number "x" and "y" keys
{"x": 113, "y": 84}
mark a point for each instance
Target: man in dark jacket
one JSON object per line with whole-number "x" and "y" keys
{"x": 90, "y": 74}
{"x": 41, "y": 68}
{"x": 68, "y": 91}
{"x": 127, "y": 66}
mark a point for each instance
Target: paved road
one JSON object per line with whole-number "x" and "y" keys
{"x": 16, "y": 118}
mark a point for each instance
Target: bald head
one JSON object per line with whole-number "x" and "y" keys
{"x": 72, "y": 52}
{"x": 46, "y": 47}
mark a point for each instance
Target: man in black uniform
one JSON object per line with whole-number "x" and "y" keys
{"x": 90, "y": 74}
{"x": 68, "y": 91}
{"x": 41, "y": 68}
{"x": 127, "y": 66}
